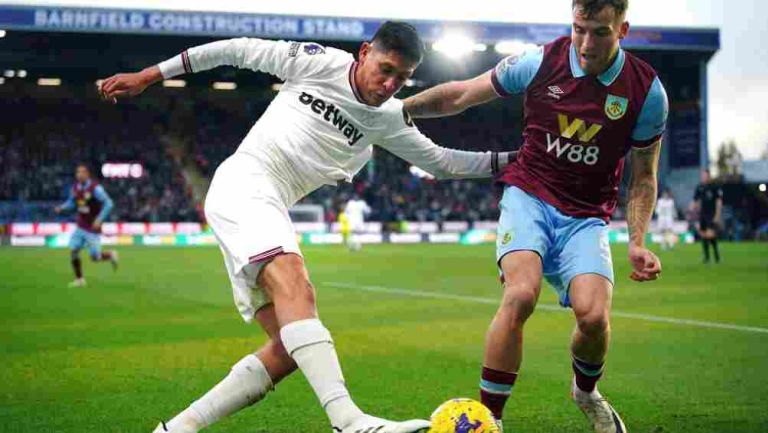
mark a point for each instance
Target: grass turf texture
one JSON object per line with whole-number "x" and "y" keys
{"x": 138, "y": 346}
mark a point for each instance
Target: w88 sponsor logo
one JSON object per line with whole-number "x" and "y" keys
{"x": 576, "y": 153}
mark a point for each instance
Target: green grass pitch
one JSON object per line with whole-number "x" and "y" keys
{"x": 139, "y": 345}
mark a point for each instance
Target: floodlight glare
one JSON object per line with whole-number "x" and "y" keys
{"x": 513, "y": 47}
{"x": 456, "y": 45}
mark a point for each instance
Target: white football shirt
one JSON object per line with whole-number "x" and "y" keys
{"x": 356, "y": 211}
{"x": 665, "y": 208}
{"x": 318, "y": 130}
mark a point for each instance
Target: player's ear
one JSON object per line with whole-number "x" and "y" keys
{"x": 624, "y": 30}
{"x": 365, "y": 49}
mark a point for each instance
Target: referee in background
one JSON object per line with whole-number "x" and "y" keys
{"x": 708, "y": 202}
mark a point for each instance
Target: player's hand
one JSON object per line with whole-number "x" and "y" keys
{"x": 125, "y": 85}
{"x": 57, "y": 210}
{"x": 96, "y": 225}
{"x": 646, "y": 266}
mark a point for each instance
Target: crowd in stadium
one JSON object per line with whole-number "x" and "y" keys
{"x": 49, "y": 137}
{"x": 46, "y": 139}
{"x": 43, "y": 139}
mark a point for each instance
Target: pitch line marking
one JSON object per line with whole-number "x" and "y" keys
{"x": 548, "y": 307}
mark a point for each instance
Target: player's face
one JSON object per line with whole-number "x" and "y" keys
{"x": 81, "y": 174}
{"x": 381, "y": 74}
{"x": 596, "y": 38}
{"x": 704, "y": 177}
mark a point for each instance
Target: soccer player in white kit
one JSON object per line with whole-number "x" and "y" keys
{"x": 356, "y": 210}
{"x": 318, "y": 130}
{"x": 665, "y": 223}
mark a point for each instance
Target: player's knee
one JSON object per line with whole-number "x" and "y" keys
{"x": 519, "y": 300}
{"x": 593, "y": 322}
{"x": 74, "y": 255}
{"x": 95, "y": 257}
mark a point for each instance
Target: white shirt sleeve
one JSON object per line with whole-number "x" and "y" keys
{"x": 408, "y": 143}
{"x": 284, "y": 59}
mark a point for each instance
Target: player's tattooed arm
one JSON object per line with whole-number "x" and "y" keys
{"x": 643, "y": 189}
{"x": 451, "y": 98}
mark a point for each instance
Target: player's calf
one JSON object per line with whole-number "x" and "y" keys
{"x": 588, "y": 349}
{"x": 504, "y": 345}
{"x": 77, "y": 268}
{"x": 247, "y": 383}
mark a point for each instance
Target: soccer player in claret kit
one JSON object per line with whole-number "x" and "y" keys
{"x": 92, "y": 204}
{"x": 587, "y": 103}
{"x": 318, "y": 130}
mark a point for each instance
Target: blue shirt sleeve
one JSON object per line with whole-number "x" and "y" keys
{"x": 70, "y": 203}
{"x": 513, "y": 74}
{"x": 653, "y": 116}
{"x": 106, "y": 203}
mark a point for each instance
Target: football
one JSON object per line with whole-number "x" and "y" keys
{"x": 462, "y": 415}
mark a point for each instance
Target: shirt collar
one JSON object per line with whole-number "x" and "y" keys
{"x": 606, "y": 78}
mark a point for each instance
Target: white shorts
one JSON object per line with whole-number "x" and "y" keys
{"x": 665, "y": 224}
{"x": 251, "y": 222}
{"x": 356, "y": 225}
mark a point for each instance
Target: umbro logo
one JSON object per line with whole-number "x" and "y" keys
{"x": 555, "y": 92}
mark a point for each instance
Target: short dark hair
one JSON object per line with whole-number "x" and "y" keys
{"x": 399, "y": 37}
{"x": 591, "y": 8}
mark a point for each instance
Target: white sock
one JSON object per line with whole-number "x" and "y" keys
{"x": 247, "y": 383}
{"x": 311, "y": 346}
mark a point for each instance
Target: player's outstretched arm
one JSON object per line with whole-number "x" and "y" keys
{"x": 451, "y": 98}
{"x": 511, "y": 76}
{"x": 279, "y": 58}
{"x": 643, "y": 190}
{"x": 444, "y": 163}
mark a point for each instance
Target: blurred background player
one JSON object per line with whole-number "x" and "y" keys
{"x": 355, "y": 212}
{"x": 318, "y": 130}
{"x": 665, "y": 223}
{"x": 92, "y": 204}
{"x": 587, "y": 104}
{"x": 345, "y": 229}
{"x": 708, "y": 202}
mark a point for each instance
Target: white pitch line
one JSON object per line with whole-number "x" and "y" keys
{"x": 548, "y": 307}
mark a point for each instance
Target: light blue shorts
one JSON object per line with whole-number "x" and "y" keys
{"x": 568, "y": 246}
{"x": 81, "y": 238}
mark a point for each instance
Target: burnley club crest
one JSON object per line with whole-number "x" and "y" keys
{"x": 615, "y": 106}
